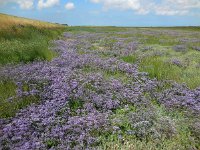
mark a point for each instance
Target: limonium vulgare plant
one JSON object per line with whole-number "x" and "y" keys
{"x": 78, "y": 108}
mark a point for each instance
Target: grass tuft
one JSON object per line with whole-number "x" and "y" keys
{"x": 27, "y": 41}
{"x": 9, "y": 107}
{"x": 129, "y": 58}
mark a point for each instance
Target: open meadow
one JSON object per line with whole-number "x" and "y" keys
{"x": 109, "y": 88}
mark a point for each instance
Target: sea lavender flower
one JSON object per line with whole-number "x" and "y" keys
{"x": 180, "y": 48}
{"x": 177, "y": 62}
{"x": 76, "y": 105}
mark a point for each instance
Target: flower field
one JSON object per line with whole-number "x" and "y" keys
{"x": 106, "y": 88}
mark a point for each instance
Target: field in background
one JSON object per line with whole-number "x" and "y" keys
{"x": 165, "y": 53}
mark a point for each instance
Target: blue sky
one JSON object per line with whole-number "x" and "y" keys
{"x": 108, "y": 12}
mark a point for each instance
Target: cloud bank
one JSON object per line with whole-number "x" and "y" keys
{"x": 47, "y": 3}
{"x": 157, "y": 7}
{"x": 23, "y": 4}
{"x": 28, "y": 4}
{"x": 162, "y": 7}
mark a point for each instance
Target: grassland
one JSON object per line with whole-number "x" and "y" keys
{"x": 23, "y": 41}
{"x": 165, "y": 54}
{"x": 8, "y": 21}
{"x": 98, "y": 69}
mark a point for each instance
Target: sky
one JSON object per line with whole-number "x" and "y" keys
{"x": 107, "y": 12}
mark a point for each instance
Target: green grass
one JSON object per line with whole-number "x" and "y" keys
{"x": 7, "y": 89}
{"x": 26, "y": 44}
{"x": 181, "y": 140}
{"x": 8, "y": 108}
{"x": 51, "y": 143}
{"x": 129, "y": 59}
{"x": 29, "y": 43}
{"x": 157, "y": 60}
{"x": 159, "y": 69}
{"x": 95, "y": 29}
{"x": 158, "y": 63}
{"x": 23, "y": 41}
{"x": 26, "y": 40}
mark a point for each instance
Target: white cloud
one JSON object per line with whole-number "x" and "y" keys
{"x": 95, "y": 1}
{"x": 23, "y": 4}
{"x": 164, "y": 7}
{"x": 176, "y": 7}
{"x": 47, "y": 3}
{"x": 119, "y": 4}
{"x": 28, "y": 4}
{"x": 184, "y": 4}
{"x": 69, "y": 6}
{"x": 169, "y": 12}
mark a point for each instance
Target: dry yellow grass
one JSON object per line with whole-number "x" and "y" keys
{"x": 7, "y": 21}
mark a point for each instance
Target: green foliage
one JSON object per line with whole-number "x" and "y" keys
{"x": 26, "y": 44}
{"x": 107, "y": 29}
{"x": 182, "y": 139}
{"x": 130, "y": 58}
{"x": 159, "y": 69}
{"x": 75, "y": 104}
{"x": 7, "y": 89}
{"x": 8, "y": 108}
{"x": 116, "y": 75}
{"x": 51, "y": 143}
